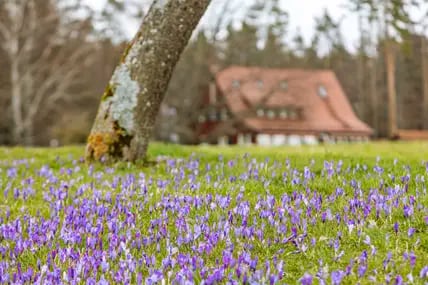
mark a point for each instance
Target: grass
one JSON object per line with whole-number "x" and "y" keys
{"x": 217, "y": 214}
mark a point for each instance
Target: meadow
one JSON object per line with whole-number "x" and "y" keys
{"x": 340, "y": 214}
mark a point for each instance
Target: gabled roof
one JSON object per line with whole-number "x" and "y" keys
{"x": 247, "y": 88}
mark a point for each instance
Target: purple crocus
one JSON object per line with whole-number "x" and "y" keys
{"x": 102, "y": 281}
{"x": 337, "y": 277}
{"x": 411, "y": 232}
{"x": 399, "y": 280}
{"x": 154, "y": 277}
{"x": 424, "y": 273}
{"x": 396, "y": 227}
{"x": 362, "y": 270}
{"x": 306, "y": 279}
{"x": 408, "y": 211}
{"x": 412, "y": 259}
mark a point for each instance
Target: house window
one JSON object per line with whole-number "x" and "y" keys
{"x": 283, "y": 114}
{"x": 293, "y": 114}
{"x": 260, "y": 113}
{"x": 278, "y": 140}
{"x": 241, "y": 139}
{"x": 271, "y": 114}
{"x": 322, "y": 91}
{"x": 263, "y": 140}
{"x": 294, "y": 140}
{"x": 260, "y": 83}
{"x": 310, "y": 140}
{"x": 223, "y": 140}
{"x": 248, "y": 139}
{"x": 236, "y": 84}
{"x": 283, "y": 85}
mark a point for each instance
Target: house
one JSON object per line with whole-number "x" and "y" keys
{"x": 247, "y": 105}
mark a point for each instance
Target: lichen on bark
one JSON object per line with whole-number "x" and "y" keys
{"x": 114, "y": 126}
{"x": 125, "y": 97}
{"x": 108, "y": 145}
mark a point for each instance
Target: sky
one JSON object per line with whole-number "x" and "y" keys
{"x": 302, "y": 15}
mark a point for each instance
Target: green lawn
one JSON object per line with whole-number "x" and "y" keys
{"x": 412, "y": 151}
{"x": 333, "y": 214}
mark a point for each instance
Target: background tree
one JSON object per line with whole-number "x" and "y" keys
{"x": 259, "y": 41}
{"x": 44, "y": 49}
{"x": 241, "y": 45}
{"x": 272, "y": 22}
{"x": 328, "y": 32}
{"x": 362, "y": 94}
{"x": 394, "y": 16}
{"x": 424, "y": 55}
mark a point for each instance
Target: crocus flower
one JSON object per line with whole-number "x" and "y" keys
{"x": 411, "y": 232}
{"x": 306, "y": 279}
{"x": 396, "y": 227}
{"x": 424, "y": 273}
{"x": 337, "y": 277}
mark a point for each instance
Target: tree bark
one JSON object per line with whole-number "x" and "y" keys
{"x": 392, "y": 96}
{"x": 129, "y": 106}
{"x": 425, "y": 81}
{"x": 11, "y": 46}
{"x": 362, "y": 112}
{"x": 18, "y": 122}
{"x": 374, "y": 94}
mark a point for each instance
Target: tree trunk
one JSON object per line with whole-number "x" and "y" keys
{"x": 28, "y": 134}
{"x": 130, "y": 104}
{"x": 374, "y": 93}
{"x": 361, "y": 110}
{"x": 373, "y": 76}
{"x": 18, "y": 123}
{"x": 425, "y": 81}
{"x": 392, "y": 96}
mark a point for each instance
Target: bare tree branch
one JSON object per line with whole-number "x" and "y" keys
{"x": 47, "y": 51}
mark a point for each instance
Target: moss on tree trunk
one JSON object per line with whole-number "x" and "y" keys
{"x": 130, "y": 104}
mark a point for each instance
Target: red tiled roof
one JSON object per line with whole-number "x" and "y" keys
{"x": 261, "y": 87}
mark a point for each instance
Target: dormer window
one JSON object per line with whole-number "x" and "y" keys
{"x": 283, "y": 85}
{"x": 283, "y": 114}
{"x": 293, "y": 114}
{"x": 236, "y": 84}
{"x": 260, "y": 83}
{"x": 322, "y": 91}
{"x": 271, "y": 114}
{"x": 260, "y": 113}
